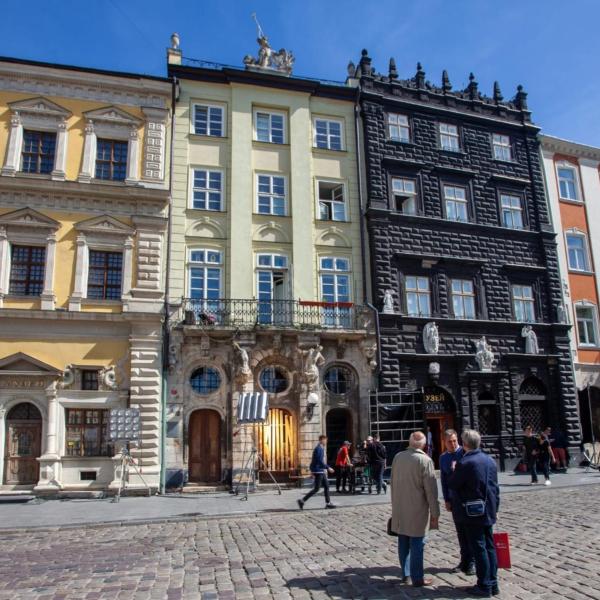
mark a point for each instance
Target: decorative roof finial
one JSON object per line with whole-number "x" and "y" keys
{"x": 521, "y": 98}
{"x": 175, "y": 41}
{"x": 279, "y": 62}
{"x": 393, "y": 72}
{"x": 498, "y": 97}
{"x": 351, "y": 68}
{"x": 472, "y": 87}
{"x": 446, "y": 85}
{"x": 420, "y": 76}
{"x": 365, "y": 63}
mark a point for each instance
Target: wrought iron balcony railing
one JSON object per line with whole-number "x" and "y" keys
{"x": 292, "y": 314}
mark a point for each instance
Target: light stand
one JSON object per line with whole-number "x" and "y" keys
{"x": 128, "y": 461}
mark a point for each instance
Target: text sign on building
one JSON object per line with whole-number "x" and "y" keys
{"x": 437, "y": 401}
{"x": 253, "y": 407}
{"x": 124, "y": 425}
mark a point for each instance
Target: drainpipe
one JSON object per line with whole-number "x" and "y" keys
{"x": 166, "y": 314}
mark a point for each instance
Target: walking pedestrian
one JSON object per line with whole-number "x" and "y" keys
{"x": 530, "y": 453}
{"x": 319, "y": 469}
{"x": 475, "y": 502}
{"x": 448, "y": 461}
{"x": 545, "y": 456}
{"x": 415, "y": 506}
{"x": 343, "y": 465}
{"x": 377, "y": 458}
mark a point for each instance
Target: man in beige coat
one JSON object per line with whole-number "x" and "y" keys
{"x": 415, "y": 506}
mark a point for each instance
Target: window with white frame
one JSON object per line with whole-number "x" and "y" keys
{"x": 463, "y": 298}
{"x": 418, "y": 299}
{"x": 332, "y": 204}
{"x": 567, "y": 182}
{"x": 204, "y": 279}
{"x": 501, "y": 146}
{"x": 269, "y": 127}
{"x": 328, "y": 134}
{"x": 335, "y": 288}
{"x": 577, "y": 251}
{"x": 398, "y": 127}
{"x": 27, "y": 265}
{"x": 404, "y": 190}
{"x": 523, "y": 303}
{"x": 271, "y": 195}
{"x": 38, "y": 151}
{"x": 511, "y": 207}
{"x": 209, "y": 119}
{"x": 272, "y": 289}
{"x": 207, "y": 189}
{"x": 455, "y": 201}
{"x": 449, "y": 137}
{"x": 587, "y": 324}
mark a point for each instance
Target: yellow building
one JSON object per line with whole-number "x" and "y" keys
{"x": 83, "y": 221}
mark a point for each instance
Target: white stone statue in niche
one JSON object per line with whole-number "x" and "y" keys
{"x": 388, "y": 303}
{"x": 431, "y": 338}
{"x": 484, "y": 355}
{"x": 531, "y": 342}
{"x": 242, "y": 363}
{"x": 312, "y": 359}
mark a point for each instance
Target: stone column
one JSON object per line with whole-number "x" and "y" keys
{"x": 47, "y": 296}
{"x": 60, "y": 160}
{"x": 88, "y": 166}
{"x": 133, "y": 157}
{"x": 81, "y": 270}
{"x": 15, "y": 141}
{"x": 4, "y": 264}
{"x": 50, "y": 459}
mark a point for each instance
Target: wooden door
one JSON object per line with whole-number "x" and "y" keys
{"x": 23, "y": 445}
{"x": 437, "y": 426}
{"x": 205, "y": 446}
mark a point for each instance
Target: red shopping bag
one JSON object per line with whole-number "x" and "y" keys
{"x": 502, "y": 544}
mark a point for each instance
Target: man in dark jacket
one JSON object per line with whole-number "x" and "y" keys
{"x": 377, "y": 458}
{"x": 475, "y": 478}
{"x": 319, "y": 469}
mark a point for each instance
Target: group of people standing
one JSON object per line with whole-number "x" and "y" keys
{"x": 542, "y": 450}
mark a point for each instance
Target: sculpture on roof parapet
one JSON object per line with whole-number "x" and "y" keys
{"x": 279, "y": 62}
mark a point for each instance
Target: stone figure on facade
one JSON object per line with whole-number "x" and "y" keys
{"x": 281, "y": 61}
{"x": 312, "y": 360}
{"x": 242, "y": 363}
{"x": 370, "y": 353}
{"x": 531, "y": 342}
{"x": 561, "y": 313}
{"x": 484, "y": 355}
{"x": 68, "y": 377}
{"x": 388, "y": 302}
{"x": 108, "y": 378}
{"x": 431, "y": 338}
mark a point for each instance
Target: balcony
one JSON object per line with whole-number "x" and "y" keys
{"x": 278, "y": 314}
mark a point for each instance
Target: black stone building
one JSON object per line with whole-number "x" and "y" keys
{"x": 460, "y": 236}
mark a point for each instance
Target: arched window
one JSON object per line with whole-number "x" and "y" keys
{"x": 205, "y": 380}
{"x": 337, "y": 380}
{"x": 273, "y": 380}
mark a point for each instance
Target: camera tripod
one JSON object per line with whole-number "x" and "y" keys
{"x": 126, "y": 461}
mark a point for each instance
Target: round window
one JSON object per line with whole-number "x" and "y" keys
{"x": 337, "y": 380}
{"x": 205, "y": 380}
{"x": 273, "y": 380}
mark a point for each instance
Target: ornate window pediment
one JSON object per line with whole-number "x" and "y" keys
{"x": 23, "y": 363}
{"x": 103, "y": 225}
{"x": 27, "y": 218}
{"x": 112, "y": 116}
{"x": 39, "y": 108}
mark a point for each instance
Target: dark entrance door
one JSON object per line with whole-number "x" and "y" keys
{"x": 438, "y": 406}
{"x": 205, "y": 446}
{"x": 23, "y": 445}
{"x": 338, "y": 428}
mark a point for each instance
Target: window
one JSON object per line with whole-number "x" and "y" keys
{"x": 449, "y": 137}
{"x": 577, "y": 252}
{"x": 111, "y": 160}
{"x": 271, "y": 195}
{"x": 105, "y": 274}
{"x": 205, "y": 279}
{"x": 463, "y": 299}
{"x": 327, "y": 134}
{"x": 272, "y": 289}
{"x": 523, "y": 303}
{"x": 398, "y": 127}
{"x": 488, "y": 415}
{"x": 455, "y": 199}
{"x": 405, "y": 195}
{"x": 332, "y": 206}
{"x": 208, "y": 120}
{"x": 337, "y": 380}
{"x": 87, "y": 432}
{"x": 205, "y": 380}
{"x": 335, "y": 288}
{"x": 567, "y": 182}
{"x": 512, "y": 211}
{"x": 587, "y": 324}
{"x": 418, "y": 302}
{"x": 27, "y": 266}
{"x": 207, "y": 191}
{"x": 501, "y": 146}
{"x": 269, "y": 127}
{"x": 89, "y": 379}
{"x": 273, "y": 380}
{"x": 38, "y": 151}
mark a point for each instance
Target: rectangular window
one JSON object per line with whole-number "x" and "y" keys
{"x": 398, "y": 127}
{"x": 38, "y": 151}
{"x": 587, "y": 326}
{"x": 271, "y": 195}
{"x": 577, "y": 252}
{"x": 27, "y": 266}
{"x": 455, "y": 199}
{"x": 269, "y": 127}
{"x": 207, "y": 191}
{"x": 335, "y": 287}
{"x": 111, "y": 160}
{"x": 449, "y": 137}
{"x": 87, "y": 432}
{"x": 512, "y": 211}
{"x": 418, "y": 302}
{"x": 205, "y": 275}
{"x": 327, "y": 134}
{"x": 463, "y": 299}
{"x": 405, "y": 195}
{"x": 523, "y": 303}
{"x": 501, "y": 146}
{"x": 89, "y": 380}
{"x": 208, "y": 120}
{"x": 567, "y": 183}
{"x": 105, "y": 275}
{"x": 332, "y": 206}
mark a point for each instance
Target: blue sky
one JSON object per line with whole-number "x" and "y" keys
{"x": 550, "y": 46}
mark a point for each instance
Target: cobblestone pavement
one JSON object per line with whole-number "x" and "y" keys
{"x": 555, "y": 538}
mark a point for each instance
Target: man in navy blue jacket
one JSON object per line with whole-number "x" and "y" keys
{"x": 319, "y": 469}
{"x": 475, "y": 477}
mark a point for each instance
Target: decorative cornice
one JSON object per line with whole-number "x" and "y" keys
{"x": 561, "y": 146}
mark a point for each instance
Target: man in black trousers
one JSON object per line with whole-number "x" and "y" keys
{"x": 319, "y": 469}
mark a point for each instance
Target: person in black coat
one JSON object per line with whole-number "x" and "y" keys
{"x": 377, "y": 457}
{"x": 475, "y": 478}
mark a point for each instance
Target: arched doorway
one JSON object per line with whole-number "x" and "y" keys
{"x": 338, "y": 427}
{"x": 276, "y": 442}
{"x": 204, "y": 440}
{"x": 532, "y": 403}
{"x": 440, "y": 414}
{"x": 23, "y": 444}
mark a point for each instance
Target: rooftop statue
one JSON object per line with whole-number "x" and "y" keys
{"x": 281, "y": 61}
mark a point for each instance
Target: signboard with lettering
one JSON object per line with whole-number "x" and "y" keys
{"x": 437, "y": 400}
